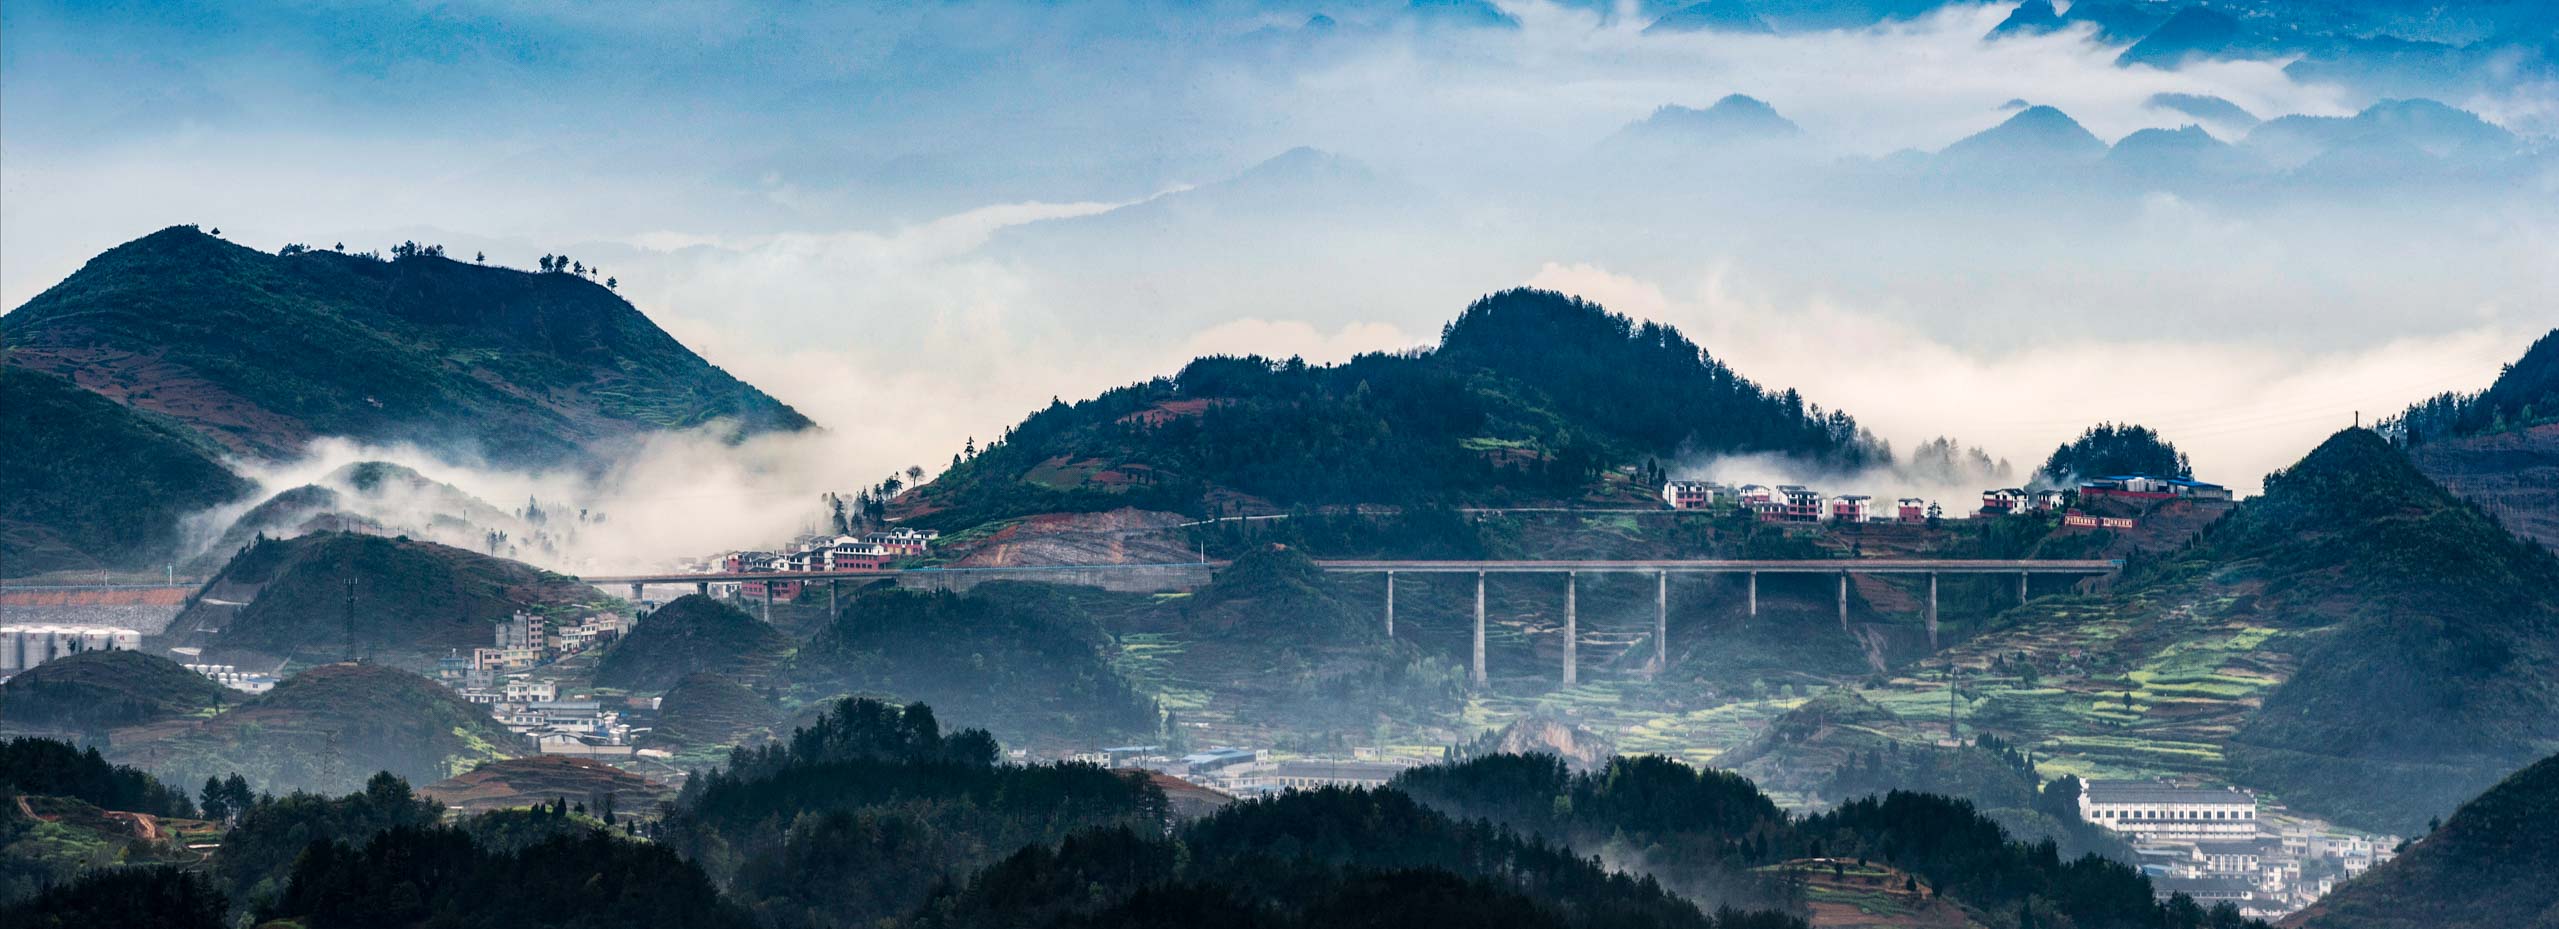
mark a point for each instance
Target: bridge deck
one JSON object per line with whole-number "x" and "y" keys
{"x": 1739, "y": 566}
{"x": 1669, "y": 566}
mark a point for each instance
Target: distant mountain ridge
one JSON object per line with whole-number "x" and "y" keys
{"x": 2488, "y": 867}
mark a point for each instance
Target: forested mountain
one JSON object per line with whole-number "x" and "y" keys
{"x": 86, "y": 483}
{"x": 2488, "y": 867}
{"x": 414, "y": 601}
{"x": 1530, "y": 396}
{"x": 261, "y": 352}
{"x": 125, "y": 386}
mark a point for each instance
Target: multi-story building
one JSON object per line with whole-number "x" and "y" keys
{"x": 1911, "y": 510}
{"x": 1852, "y": 508}
{"x": 2157, "y": 812}
{"x": 1688, "y": 495}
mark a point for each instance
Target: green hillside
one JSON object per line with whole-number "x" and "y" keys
{"x": 261, "y": 352}
{"x": 692, "y": 633}
{"x": 414, "y": 600}
{"x": 330, "y": 728}
{"x": 2431, "y": 663}
{"x": 1530, "y": 396}
{"x": 2357, "y": 641}
{"x": 92, "y": 692}
{"x": 2489, "y": 867}
{"x": 86, "y": 483}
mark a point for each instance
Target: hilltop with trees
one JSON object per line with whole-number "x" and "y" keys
{"x": 1530, "y": 396}
{"x": 2107, "y": 449}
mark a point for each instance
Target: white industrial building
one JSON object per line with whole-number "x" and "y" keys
{"x": 23, "y": 647}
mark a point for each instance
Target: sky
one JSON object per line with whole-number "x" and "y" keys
{"x": 918, "y": 222}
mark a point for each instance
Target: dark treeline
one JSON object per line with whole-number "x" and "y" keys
{"x": 1532, "y": 395}
{"x": 55, "y": 768}
{"x": 439, "y": 876}
{"x": 1328, "y": 857}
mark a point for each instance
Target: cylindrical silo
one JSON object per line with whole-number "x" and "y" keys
{"x": 9, "y": 660}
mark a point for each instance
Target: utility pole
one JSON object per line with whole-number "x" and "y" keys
{"x": 352, "y": 654}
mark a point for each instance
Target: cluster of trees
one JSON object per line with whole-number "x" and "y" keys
{"x": 858, "y": 816}
{"x": 2108, "y": 449}
{"x": 412, "y": 876}
{"x": 2525, "y": 393}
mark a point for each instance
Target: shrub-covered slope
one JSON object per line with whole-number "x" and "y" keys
{"x": 262, "y": 352}
{"x": 692, "y": 633}
{"x": 92, "y": 692}
{"x": 1028, "y": 673}
{"x": 330, "y": 728}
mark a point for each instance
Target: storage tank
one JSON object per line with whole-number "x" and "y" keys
{"x": 96, "y": 639}
{"x": 60, "y": 642}
{"x": 129, "y": 640}
{"x": 9, "y": 650}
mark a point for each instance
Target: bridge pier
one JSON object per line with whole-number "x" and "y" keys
{"x": 2021, "y": 587}
{"x": 635, "y": 595}
{"x": 702, "y": 587}
{"x": 1661, "y": 621}
{"x": 1478, "y": 669}
{"x": 1754, "y": 593}
{"x": 1932, "y": 611}
{"x": 768, "y": 603}
{"x": 1572, "y": 632}
{"x": 1843, "y": 600}
{"x": 830, "y": 600}
{"x": 1390, "y": 604}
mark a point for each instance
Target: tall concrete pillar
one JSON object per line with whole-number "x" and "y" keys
{"x": 1479, "y": 630}
{"x": 830, "y": 598}
{"x": 635, "y": 594}
{"x": 1932, "y": 611}
{"x": 1661, "y": 620}
{"x": 1754, "y": 593}
{"x": 702, "y": 587}
{"x": 1572, "y": 632}
{"x": 1843, "y": 599}
{"x": 768, "y": 601}
{"x": 1390, "y": 604}
{"x": 2021, "y": 588}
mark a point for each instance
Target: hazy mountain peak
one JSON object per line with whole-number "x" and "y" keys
{"x": 2039, "y": 133}
{"x": 2192, "y": 32}
{"x": 1713, "y": 16}
{"x": 2207, "y": 108}
{"x": 1734, "y": 119}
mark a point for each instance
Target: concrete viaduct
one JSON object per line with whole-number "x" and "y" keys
{"x": 1195, "y": 573}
